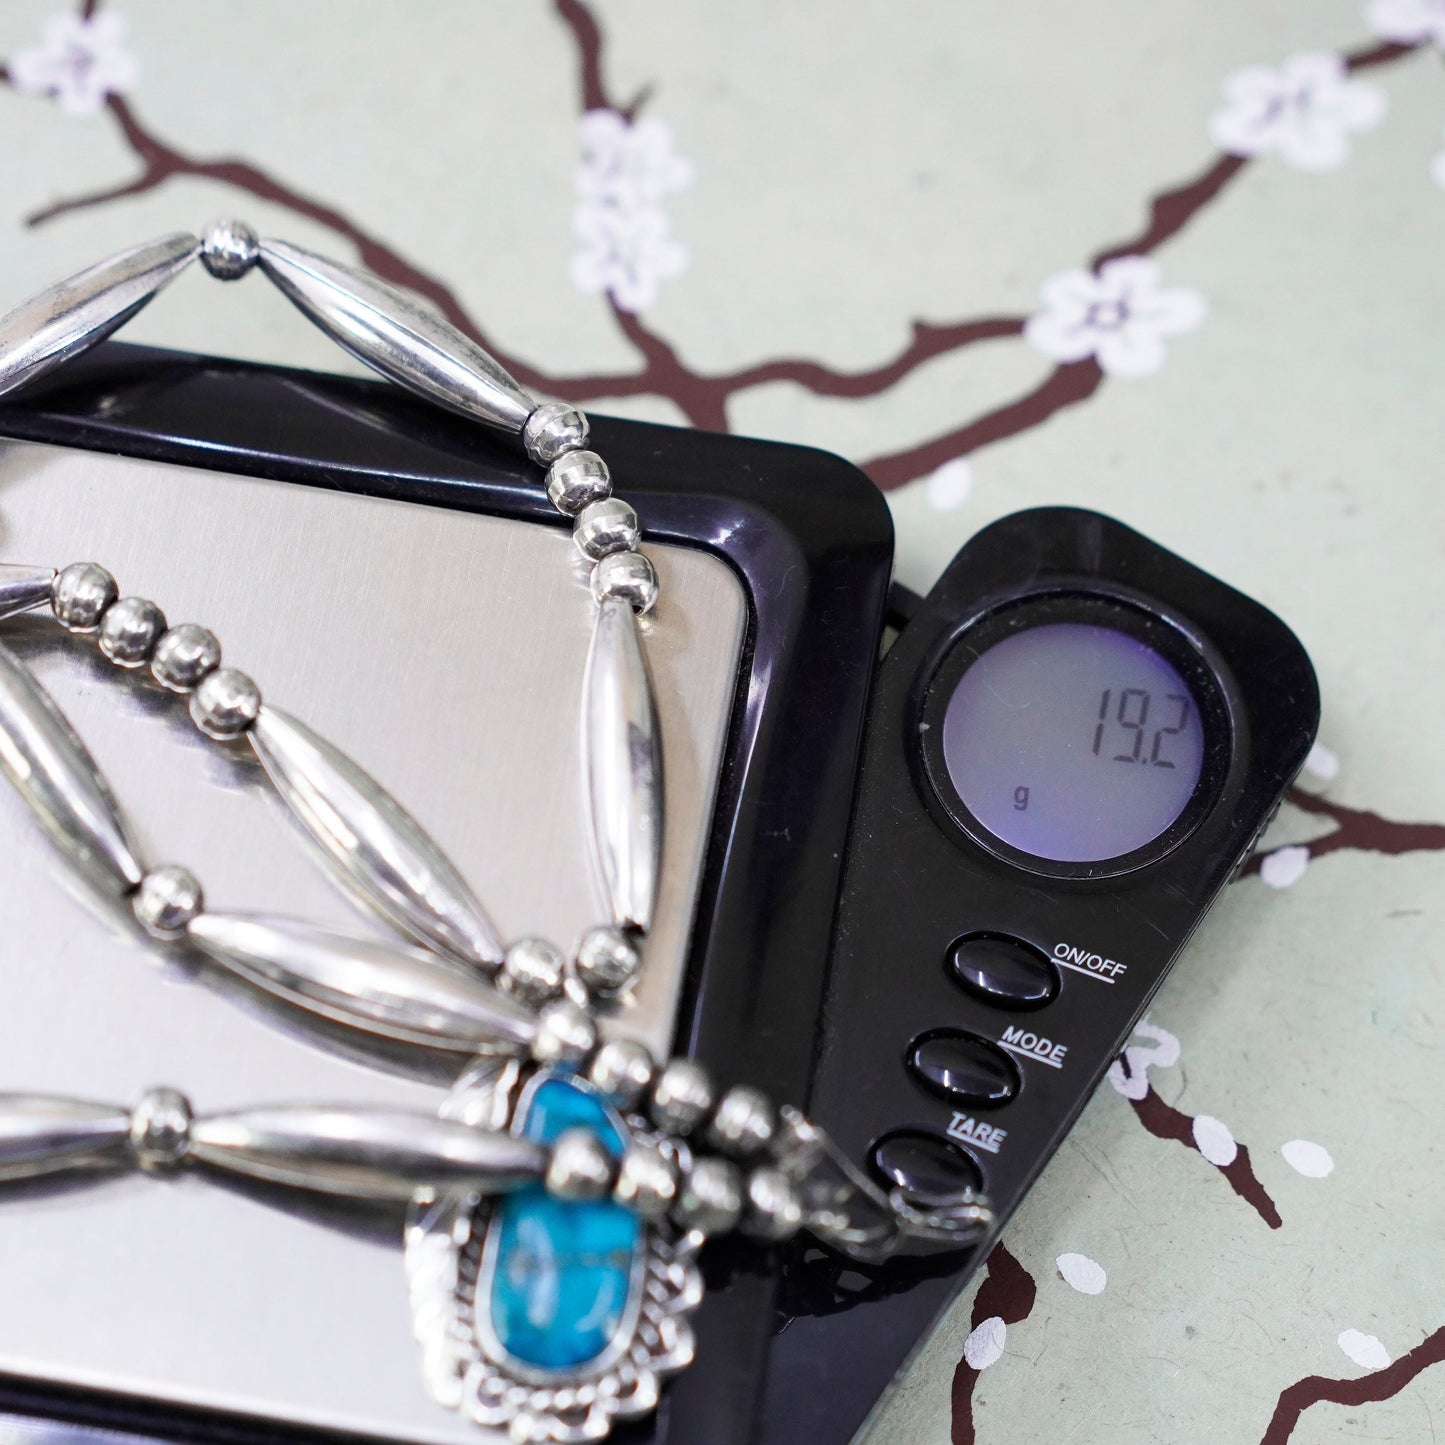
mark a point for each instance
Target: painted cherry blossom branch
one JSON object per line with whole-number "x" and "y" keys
{"x": 1357, "y": 830}
{"x": 703, "y": 397}
{"x": 1006, "y": 1297}
{"x": 1362, "y": 1390}
{"x": 1164, "y": 1121}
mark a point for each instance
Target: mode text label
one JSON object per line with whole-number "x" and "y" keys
{"x": 1029, "y": 1045}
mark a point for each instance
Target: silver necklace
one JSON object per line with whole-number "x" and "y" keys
{"x": 549, "y": 1126}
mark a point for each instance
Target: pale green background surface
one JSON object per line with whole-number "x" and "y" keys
{"x": 858, "y": 167}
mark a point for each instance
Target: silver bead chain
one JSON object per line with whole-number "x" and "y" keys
{"x": 710, "y": 1162}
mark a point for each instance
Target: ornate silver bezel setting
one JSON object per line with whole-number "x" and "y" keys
{"x": 449, "y": 1249}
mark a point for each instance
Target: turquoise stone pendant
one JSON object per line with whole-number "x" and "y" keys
{"x": 560, "y": 1278}
{"x": 549, "y": 1318}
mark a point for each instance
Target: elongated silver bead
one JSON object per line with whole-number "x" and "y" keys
{"x": 23, "y": 588}
{"x": 394, "y": 334}
{"x": 378, "y": 847}
{"x": 40, "y": 1135}
{"x": 51, "y": 769}
{"x": 376, "y": 1154}
{"x": 622, "y": 749}
{"x": 395, "y": 992}
{"x": 75, "y": 314}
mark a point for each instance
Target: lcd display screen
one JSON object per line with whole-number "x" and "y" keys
{"x": 1073, "y": 742}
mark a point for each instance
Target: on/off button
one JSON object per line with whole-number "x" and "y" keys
{"x": 1003, "y": 971}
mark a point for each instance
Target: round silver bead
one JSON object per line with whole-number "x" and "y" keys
{"x": 80, "y": 594}
{"x": 565, "y": 1036}
{"x": 682, "y": 1095}
{"x": 185, "y": 656}
{"x": 130, "y": 630}
{"x": 710, "y": 1199}
{"x": 229, "y": 249}
{"x": 743, "y": 1124}
{"x": 580, "y": 1166}
{"x": 622, "y": 1070}
{"x": 608, "y": 961}
{"x": 627, "y": 576}
{"x": 576, "y": 480}
{"x": 167, "y": 899}
{"x": 532, "y": 972}
{"x": 646, "y": 1182}
{"x": 604, "y": 527}
{"x": 160, "y": 1128}
{"x": 552, "y": 430}
{"x": 225, "y": 704}
{"x": 772, "y": 1211}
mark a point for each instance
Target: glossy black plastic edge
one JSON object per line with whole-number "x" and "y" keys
{"x": 812, "y": 541}
{"x": 847, "y": 1330}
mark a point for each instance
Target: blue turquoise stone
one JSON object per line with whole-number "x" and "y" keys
{"x": 562, "y": 1271}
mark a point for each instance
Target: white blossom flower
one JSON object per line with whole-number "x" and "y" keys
{"x": 1120, "y": 316}
{"x": 78, "y": 61}
{"x": 626, "y": 253}
{"x": 629, "y": 163}
{"x": 626, "y": 246}
{"x": 1086, "y": 1275}
{"x": 1307, "y": 1158}
{"x": 1304, "y": 112}
{"x": 1365, "y": 1350}
{"x": 1285, "y": 866}
{"x": 949, "y": 486}
{"x": 1408, "y": 21}
{"x": 985, "y": 1344}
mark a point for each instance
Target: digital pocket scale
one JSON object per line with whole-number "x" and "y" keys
{"x": 926, "y": 899}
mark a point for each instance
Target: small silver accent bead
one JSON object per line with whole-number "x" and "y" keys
{"x": 168, "y": 898}
{"x": 80, "y": 595}
{"x": 576, "y": 480}
{"x": 532, "y": 972}
{"x": 160, "y": 1128}
{"x": 646, "y": 1182}
{"x": 229, "y": 248}
{"x": 580, "y": 1167}
{"x": 628, "y": 576}
{"x": 743, "y": 1124}
{"x": 552, "y": 430}
{"x": 711, "y": 1197}
{"x": 565, "y": 1035}
{"x": 605, "y": 527}
{"x": 622, "y": 1070}
{"x": 225, "y": 704}
{"x": 185, "y": 656}
{"x": 682, "y": 1095}
{"x": 607, "y": 961}
{"x": 130, "y": 630}
{"x": 773, "y": 1211}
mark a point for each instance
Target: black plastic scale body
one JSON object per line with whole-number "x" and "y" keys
{"x": 978, "y": 991}
{"x": 831, "y": 900}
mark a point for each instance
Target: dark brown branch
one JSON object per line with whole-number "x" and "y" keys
{"x": 1164, "y": 1121}
{"x": 1065, "y": 386}
{"x": 1008, "y": 1291}
{"x": 1366, "y": 1389}
{"x": 1359, "y": 830}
